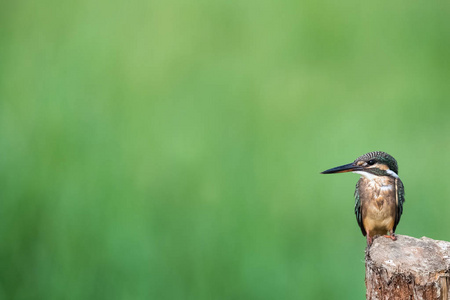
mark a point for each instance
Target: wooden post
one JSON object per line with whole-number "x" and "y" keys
{"x": 408, "y": 268}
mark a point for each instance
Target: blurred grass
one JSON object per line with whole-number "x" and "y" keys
{"x": 172, "y": 150}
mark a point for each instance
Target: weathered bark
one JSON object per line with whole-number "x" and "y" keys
{"x": 408, "y": 268}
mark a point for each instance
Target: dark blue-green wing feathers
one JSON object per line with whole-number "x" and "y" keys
{"x": 358, "y": 209}
{"x": 400, "y": 200}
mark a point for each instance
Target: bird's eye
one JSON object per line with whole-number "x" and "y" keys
{"x": 371, "y": 162}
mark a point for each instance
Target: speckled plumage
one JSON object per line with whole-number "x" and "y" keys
{"x": 379, "y": 194}
{"x": 378, "y": 210}
{"x": 366, "y": 195}
{"x": 382, "y": 157}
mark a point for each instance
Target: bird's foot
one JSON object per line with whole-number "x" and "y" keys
{"x": 392, "y": 237}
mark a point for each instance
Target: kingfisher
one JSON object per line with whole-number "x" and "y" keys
{"x": 379, "y": 194}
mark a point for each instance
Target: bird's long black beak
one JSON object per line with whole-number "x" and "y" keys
{"x": 342, "y": 169}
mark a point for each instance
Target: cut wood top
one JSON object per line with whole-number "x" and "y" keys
{"x": 424, "y": 258}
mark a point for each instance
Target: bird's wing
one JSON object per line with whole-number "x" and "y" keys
{"x": 358, "y": 210}
{"x": 400, "y": 200}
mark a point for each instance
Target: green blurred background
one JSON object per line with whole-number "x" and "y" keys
{"x": 172, "y": 149}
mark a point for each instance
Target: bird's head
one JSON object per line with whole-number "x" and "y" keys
{"x": 372, "y": 164}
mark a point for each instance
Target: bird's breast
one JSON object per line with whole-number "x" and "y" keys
{"x": 378, "y": 203}
{"x": 377, "y": 189}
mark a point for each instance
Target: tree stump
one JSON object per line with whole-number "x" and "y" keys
{"x": 408, "y": 268}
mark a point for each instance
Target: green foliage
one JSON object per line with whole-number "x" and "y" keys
{"x": 172, "y": 149}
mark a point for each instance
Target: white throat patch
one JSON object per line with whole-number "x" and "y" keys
{"x": 371, "y": 176}
{"x": 367, "y": 175}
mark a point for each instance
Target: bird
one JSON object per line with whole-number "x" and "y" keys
{"x": 379, "y": 194}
